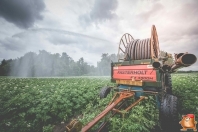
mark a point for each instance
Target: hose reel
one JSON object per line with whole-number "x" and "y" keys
{"x": 136, "y": 49}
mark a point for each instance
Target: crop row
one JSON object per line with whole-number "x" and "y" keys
{"x": 30, "y": 104}
{"x": 37, "y": 104}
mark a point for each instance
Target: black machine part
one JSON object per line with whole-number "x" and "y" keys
{"x": 166, "y": 83}
{"x": 168, "y": 114}
{"x": 104, "y": 92}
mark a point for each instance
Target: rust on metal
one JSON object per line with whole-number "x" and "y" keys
{"x": 122, "y": 112}
{"x": 74, "y": 126}
{"x": 139, "y": 49}
{"x": 128, "y": 38}
{"x": 122, "y": 95}
{"x": 129, "y": 107}
{"x": 183, "y": 60}
{"x": 134, "y": 71}
{"x": 135, "y": 103}
{"x": 123, "y": 44}
{"x": 122, "y": 50}
{"x": 113, "y": 113}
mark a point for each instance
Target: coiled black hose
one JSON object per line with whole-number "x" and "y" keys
{"x": 138, "y": 49}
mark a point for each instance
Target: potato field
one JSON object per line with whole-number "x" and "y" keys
{"x": 46, "y": 104}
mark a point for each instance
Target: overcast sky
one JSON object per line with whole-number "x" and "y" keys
{"x": 87, "y": 29}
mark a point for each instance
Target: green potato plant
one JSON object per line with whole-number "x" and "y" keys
{"x": 38, "y": 104}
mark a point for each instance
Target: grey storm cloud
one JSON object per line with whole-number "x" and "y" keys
{"x": 185, "y": 24}
{"x": 22, "y": 13}
{"x": 102, "y": 10}
{"x": 155, "y": 9}
{"x": 189, "y": 16}
{"x": 36, "y": 38}
{"x": 13, "y": 44}
{"x": 62, "y": 39}
{"x": 19, "y": 42}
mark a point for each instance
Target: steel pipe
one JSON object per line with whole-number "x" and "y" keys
{"x": 156, "y": 64}
{"x": 183, "y": 60}
{"x": 186, "y": 59}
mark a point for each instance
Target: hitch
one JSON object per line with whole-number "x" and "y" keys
{"x": 119, "y": 98}
{"x": 74, "y": 126}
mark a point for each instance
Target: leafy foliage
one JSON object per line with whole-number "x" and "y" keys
{"x": 185, "y": 86}
{"x": 37, "y": 104}
{"x": 142, "y": 117}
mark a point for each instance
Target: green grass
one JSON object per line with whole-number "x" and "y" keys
{"x": 37, "y": 104}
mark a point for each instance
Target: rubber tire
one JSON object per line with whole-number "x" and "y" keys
{"x": 104, "y": 92}
{"x": 168, "y": 114}
{"x": 168, "y": 83}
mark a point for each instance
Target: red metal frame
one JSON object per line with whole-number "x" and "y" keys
{"x": 118, "y": 98}
{"x": 135, "y": 72}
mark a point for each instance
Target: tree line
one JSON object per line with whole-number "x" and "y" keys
{"x": 45, "y": 64}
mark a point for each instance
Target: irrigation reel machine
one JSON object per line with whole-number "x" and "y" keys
{"x": 140, "y": 71}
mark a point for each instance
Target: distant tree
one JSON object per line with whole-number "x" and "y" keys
{"x": 65, "y": 63}
{"x": 5, "y": 67}
{"x": 45, "y": 64}
{"x": 104, "y": 66}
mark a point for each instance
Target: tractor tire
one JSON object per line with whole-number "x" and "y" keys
{"x": 168, "y": 83}
{"x": 168, "y": 114}
{"x": 104, "y": 92}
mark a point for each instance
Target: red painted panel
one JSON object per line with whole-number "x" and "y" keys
{"x": 137, "y": 72}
